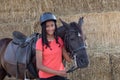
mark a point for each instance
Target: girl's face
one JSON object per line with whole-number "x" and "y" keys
{"x": 50, "y": 27}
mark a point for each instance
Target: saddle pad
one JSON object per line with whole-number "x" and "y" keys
{"x": 14, "y": 53}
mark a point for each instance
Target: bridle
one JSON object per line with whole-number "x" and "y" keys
{"x": 73, "y": 52}
{"x": 68, "y": 44}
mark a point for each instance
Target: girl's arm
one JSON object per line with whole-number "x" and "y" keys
{"x": 66, "y": 55}
{"x": 40, "y": 66}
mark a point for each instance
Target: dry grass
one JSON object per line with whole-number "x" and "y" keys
{"x": 101, "y": 26}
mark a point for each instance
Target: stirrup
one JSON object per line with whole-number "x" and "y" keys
{"x": 25, "y": 75}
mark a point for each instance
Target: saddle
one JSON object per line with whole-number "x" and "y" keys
{"x": 20, "y": 51}
{"x": 16, "y": 52}
{"x": 19, "y": 38}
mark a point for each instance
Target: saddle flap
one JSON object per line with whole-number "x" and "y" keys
{"x": 15, "y": 53}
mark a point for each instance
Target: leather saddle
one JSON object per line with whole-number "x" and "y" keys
{"x": 19, "y": 38}
{"x": 18, "y": 50}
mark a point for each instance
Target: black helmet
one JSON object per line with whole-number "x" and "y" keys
{"x": 47, "y": 16}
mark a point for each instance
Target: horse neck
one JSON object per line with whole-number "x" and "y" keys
{"x": 61, "y": 31}
{"x": 3, "y": 45}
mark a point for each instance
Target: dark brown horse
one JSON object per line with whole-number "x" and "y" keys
{"x": 19, "y": 60}
{"x": 17, "y": 57}
{"x": 3, "y": 44}
{"x": 74, "y": 41}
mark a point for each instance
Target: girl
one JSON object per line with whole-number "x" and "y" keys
{"x": 49, "y": 50}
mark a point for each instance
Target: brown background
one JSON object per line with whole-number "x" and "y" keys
{"x": 101, "y": 26}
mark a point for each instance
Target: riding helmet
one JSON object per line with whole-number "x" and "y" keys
{"x": 46, "y": 17}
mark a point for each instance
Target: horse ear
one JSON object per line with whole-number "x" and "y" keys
{"x": 64, "y": 23}
{"x": 80, "y": 22}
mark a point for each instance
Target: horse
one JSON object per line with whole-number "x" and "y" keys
{"x": 17, "y": 56}
{"x": 74, "y": 41}
{"x": 17, "y": 64}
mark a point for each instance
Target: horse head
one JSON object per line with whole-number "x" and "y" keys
{"x": 74, "y": 42}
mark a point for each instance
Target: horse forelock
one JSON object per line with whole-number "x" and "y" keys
{"x": 75, "y": 26}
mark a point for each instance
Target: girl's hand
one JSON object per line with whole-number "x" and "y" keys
{"x": 62, "y": 73}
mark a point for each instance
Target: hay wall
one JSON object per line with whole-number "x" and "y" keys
{"x": 102, "y": 31}
{"x": 101, "y": 26}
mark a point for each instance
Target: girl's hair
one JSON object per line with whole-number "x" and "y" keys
{"x": 44, "y": 35}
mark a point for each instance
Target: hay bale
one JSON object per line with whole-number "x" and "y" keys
{"x": 7, "y": 29}
{"x": 115, "y": 66}
{"x": 99, "y": 69}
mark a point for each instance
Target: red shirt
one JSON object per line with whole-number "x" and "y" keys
{"x": 51, "y": 58}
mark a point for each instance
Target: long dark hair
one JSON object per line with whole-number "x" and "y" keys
{"x": 44, "y": 35}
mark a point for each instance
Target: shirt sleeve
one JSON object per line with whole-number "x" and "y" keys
{"x": 39, "y": 44}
